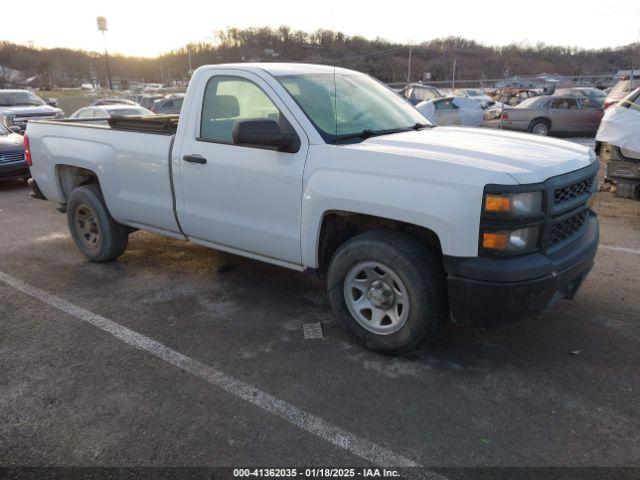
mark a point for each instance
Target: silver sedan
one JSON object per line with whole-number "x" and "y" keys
{"x": 554, "y": 114}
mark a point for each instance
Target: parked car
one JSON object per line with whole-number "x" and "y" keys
{"x": 621, "y": 89}
{"x": 12, "y": 162}
{"x": 107, "y": 111}
{"x": 417, "y": 92}
{"x": 618, "y": 145}
{"x": 17, "y": 107}
{"x": 554, "y": 114}
{"x": 410, "y": 224}
{"x": 112, "y": 101}
{"x": 452, "y": 111}
{"x": 171, "y": 104}
{"x": 585, "y": 92}
{"x": 475, "y": 94}
{"x": 148, "y": 100}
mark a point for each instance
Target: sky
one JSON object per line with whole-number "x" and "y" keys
{"x": 149, "y": 28}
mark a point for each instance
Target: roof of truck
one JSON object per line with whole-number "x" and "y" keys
{"x": 279, "y": 69}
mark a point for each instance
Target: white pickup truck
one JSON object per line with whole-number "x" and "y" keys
{"x": 329, "y": 171}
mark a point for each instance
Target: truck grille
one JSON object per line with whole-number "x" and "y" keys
{"x": 568, "y": 207}
{"x": 569, "y": 192}
{"x": 566, "y": 229}
{"x": 6, "y": 157}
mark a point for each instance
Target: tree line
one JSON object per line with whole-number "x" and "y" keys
{"x": 387, "y": 61}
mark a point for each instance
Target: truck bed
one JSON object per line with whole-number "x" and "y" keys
{"x": 154, "y": 124}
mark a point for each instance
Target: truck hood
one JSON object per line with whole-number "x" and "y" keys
{"x": 43, "y": 109}
{"x": 525, "y": 157}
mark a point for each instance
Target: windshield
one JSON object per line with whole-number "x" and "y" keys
{"x": 361, "y": 105}
{"x": 594, "y": 93}
{"x": 475, "y": 93}
{"x": 4, "y": 130}
{"x": 21, "y": 98}
{"x": 421, "y": 94}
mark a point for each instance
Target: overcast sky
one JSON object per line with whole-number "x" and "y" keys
{"x": 148, "y": 28}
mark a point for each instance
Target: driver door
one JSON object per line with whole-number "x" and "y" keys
{"x": 240, "y": 198}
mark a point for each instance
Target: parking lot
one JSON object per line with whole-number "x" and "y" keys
{"x": 179, "y": 355}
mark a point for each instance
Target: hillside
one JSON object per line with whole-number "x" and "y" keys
{"x": 387, "y": 61}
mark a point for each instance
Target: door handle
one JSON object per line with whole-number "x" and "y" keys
{"x": 194, "y": 159}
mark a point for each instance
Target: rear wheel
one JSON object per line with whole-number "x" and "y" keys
{"x": 540, "y": 127}
{"x": 98, "y": 236}
{"x": 388, "y": 290}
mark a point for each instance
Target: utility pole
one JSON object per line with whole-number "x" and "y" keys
{"x": 409, "y": 65}
{"x": 102, "y": 26}
{"x": 453, "y": 76}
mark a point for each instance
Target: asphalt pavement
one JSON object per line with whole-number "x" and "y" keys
{"x": 178, "y": 355}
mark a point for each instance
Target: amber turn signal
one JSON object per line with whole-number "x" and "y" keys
{"x": 497, "y": 204}
{"x": 495, "y": 240}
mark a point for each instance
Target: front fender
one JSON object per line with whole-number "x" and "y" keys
{"x": 450, "y": 213}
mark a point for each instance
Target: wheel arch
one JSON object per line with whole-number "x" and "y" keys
{"x": 338, "y": 226}
{"x": 70, "y": 177}
{"x": 540, "y": 118}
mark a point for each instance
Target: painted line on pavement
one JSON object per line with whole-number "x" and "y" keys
{"x": 619, "y": 249}
{"x": 315, "y": 425}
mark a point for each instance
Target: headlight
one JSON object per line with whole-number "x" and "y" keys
{"x": 525, "y": 203}
{"x": 59, "y": 114}
{"x": 514, "y": 241}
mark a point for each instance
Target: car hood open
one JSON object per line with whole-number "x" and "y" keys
{"x": 525, "y": 157}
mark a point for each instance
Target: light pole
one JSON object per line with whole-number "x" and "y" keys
{"x": 102, "y": 26}
{"x": 453, "y": 76}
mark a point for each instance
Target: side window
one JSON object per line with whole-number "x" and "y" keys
{"x": 86, "y": 113}
{"x": 229, "y": 99}
{"x": 445, "y": 105}
{"x": 565, "y": 103}
{"x": 591, "y": 104}
{"x": 177, "y": 102}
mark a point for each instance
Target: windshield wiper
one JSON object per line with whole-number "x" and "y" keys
{"x": 420, "y": 126}
{"x": 367, "y": 133}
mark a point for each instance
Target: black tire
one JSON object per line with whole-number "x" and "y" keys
{"x": 420, "y": 271}
{"x": 86, "y": 207}
{"x": 536, "y": 126}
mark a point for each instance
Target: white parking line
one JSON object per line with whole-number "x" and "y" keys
{"x": 315, "y": 425}
{"x": 619, "y": 249}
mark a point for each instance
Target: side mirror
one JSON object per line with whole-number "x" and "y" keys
{"x": 53, "y": 102}
{"x": 15, "y": 129}
{"x": 264, "y": 133}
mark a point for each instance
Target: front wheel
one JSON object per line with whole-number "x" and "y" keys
{"x": 388, "y": 290}
{"x": 540, "y": 127}
{"x": 98, "y": 236}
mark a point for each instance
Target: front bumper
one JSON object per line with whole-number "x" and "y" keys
{"x": 490, "y": 292}
{"x": 11, "y": 170}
